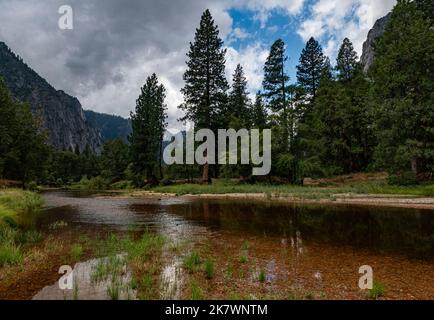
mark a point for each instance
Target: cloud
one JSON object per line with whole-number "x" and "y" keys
{"x": 332, "y": 20}
{"x": 252, "y": 58}
{"x": 240, "y": 33}
{"x": 116, "y": 44}
{"x": 263, "y": 8}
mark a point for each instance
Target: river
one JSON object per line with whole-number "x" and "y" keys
{"x": 306, "y": 248}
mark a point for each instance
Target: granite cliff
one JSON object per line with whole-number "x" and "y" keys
{"x": 62, "y": 114}
{"x": 368, "y": 55}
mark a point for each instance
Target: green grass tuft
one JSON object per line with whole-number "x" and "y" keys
{"x": 191, "y": 262}
{"x": 209, "y": 269}
{"x": 377, "y": 291}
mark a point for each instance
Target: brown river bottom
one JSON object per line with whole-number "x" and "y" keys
{"x": 258, "y": 250}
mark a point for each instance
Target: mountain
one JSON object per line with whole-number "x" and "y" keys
{"x": 368, "y": 55}
{"x": 62, "y": 115}
{"x": 110, "y": 127}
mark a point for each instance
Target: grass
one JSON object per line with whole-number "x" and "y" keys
{"x": 30, "y": 236}
{"x": 140, "y": 255}
{"x": 303, "y": 192}
{"x": 108, "y": 269}
{"x": 143, "y": 248}
{"x": 10, "y": 254}
{"x": 13, "y": 202}
{"x": 262, "y": 276}
{"x": 209, "y": 269}
{"x": 196, "y": 292}
{"x": 377, "y": 291}
{"x": 76, "y": 252}
{"x": 57, "y": 225}
{"x": 92, "y": 184}
{"x": 191, "y": 262}
{"x": 244, "y": 258}
{"x": 147, "y": 286}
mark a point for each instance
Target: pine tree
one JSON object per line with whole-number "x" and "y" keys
{"x": 427, "y": 7}
{"x": 239, "y": 101}
{"x": 205, "y": 80}
{"x": 276, "y": 87}
{"x": 148, "y": 123}
{"x": 347, "y": 64}
{"x": 23, "y": 142}
{"x": 259, "y": 113}
{"x": 403, "y": 91}
{"x": 327, "y": 70}
{"x": 310, "y": 67}
{"x": 114, "y": 159}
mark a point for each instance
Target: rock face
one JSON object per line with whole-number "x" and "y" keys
{"x": 110, "y": 126}
{"x": 377, "y": 31}
{"x": 62, "y": 115}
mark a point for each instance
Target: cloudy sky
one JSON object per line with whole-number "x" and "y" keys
{"x": 116, "y": 44}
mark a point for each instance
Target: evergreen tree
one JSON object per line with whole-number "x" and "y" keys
{"x": 427, "y": 7}
{"x": 7, "y": 117}
{"x": 327, "y": 71}
{"x": 403, "y": 91}
{"x": 23, "y": 146}
{"x": 205, "y": 80}
{"x": 310, "y": 67}
{"x": 148, "y": 123}
{"x": 276, "y": 87}
{"x": 347, "y": 64}
{"x": 114, "y": 159}
{"x": 239, "y": 101}
{"x": 259, "y": 113}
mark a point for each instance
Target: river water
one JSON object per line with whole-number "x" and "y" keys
{"x": 301, "y": 247}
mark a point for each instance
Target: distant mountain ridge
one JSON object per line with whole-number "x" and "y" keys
{"x": 110, "y": 126}
{"x": 62, "y": 114}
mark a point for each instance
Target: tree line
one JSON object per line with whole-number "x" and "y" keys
{"x": 332, "y": 120}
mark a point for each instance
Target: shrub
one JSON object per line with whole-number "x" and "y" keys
{"x": 32, "y": 186}
{"x": 403, "y": 179}
{"x": 93, "y": 184}
{"x": 122, "y": 185}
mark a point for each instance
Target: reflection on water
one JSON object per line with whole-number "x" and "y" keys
{"x": 383, "y": 230}
{"x": 85, "y": 288}
{"x": 299, "y": 247}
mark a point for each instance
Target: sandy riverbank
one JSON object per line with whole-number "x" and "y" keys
{"x": 394, "y": 201}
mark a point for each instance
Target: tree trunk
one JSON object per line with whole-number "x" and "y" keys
{"x": 414, "y": 167}
{"x": 205, "y": 173}
{"x": 161, "y": 159}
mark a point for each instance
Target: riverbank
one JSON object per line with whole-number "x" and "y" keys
{"x": 180, "y": 248}
{"x": 13, "y": 202}
{"x": 364, "y": 193}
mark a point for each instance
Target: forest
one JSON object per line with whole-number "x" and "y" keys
{"x": 333, "y": 119}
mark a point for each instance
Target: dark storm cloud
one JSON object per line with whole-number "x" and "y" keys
{"x": 116, "y": 44}
{"x": 113, "y": 41}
